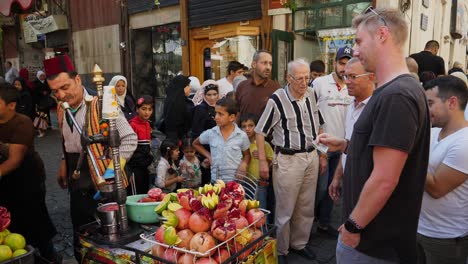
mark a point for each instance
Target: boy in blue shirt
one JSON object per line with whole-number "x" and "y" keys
{"x": 229, "y": 146}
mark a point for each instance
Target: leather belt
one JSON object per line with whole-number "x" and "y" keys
{"x": 288, "y": 151}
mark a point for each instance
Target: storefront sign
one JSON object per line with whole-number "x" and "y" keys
{"x": 331, "y": 40}
{"x": 34, "y": 25}
{"x": 459, "y": 20}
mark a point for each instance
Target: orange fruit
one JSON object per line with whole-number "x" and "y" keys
{"x": 15, "y": 241}
{"x": 104, "y": 125}
{"x": 105, "y": 133}
{"x": 19, "y": 252}
{"x": 5, "y": 253}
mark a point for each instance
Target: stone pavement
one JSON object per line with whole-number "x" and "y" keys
{"x": 49, "y": 147}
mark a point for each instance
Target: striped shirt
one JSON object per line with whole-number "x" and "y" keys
{"x": 72, "y": 142}
{"x": 295, "y": 122}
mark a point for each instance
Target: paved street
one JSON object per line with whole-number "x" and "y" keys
{"x": 49, "y": 148}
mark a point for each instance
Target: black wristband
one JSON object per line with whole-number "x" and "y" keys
{"x": 347, "y": 145}
{"x": 353, "y": 227}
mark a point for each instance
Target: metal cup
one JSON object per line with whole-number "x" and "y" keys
{"x": 107, "y": 217}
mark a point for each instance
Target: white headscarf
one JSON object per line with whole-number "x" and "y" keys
{"x": 113, "y": 82}
{"x": 200, "y": 95}
{"x": 38, "y": 75}
{"x": 194, "y": 84}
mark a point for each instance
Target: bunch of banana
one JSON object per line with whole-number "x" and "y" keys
{"x": 210, "y": 200}
{"x": 171, "y": 218}
{"x": 206, "y": 188}
{"x": 252, "y": 204}
{"x": 218, "y": 186}
{"x": 243, "y": 237}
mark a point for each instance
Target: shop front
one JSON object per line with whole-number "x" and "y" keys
{"x": 214, "y": 47}
{"x": 221, "y": 31}
{"x": 156, "y": 48}
{"x": 323, "y": 26}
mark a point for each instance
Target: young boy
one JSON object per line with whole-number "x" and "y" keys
{"x": 142, "y": 158}
{"x": 248, "y": 123}
{"x": 229, "y": 145}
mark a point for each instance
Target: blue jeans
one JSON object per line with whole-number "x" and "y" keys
{"x": 324, "y": 202}
{"x": 262, "y": 196}
{"x": 348, "y": 255}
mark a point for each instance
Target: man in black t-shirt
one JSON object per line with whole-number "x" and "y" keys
{"x": 428, "y": 60}
{"x": 388, "y": 152}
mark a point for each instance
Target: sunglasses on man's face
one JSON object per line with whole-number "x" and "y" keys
{"x": 370, "y": 9}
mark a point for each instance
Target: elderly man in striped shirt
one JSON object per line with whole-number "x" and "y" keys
{"x": 292, "y": 115}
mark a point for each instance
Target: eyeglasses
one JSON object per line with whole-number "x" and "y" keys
{"x": 352, "y": 77}
{"x": 371, "y": 9}
{"x": 305, "y": 80}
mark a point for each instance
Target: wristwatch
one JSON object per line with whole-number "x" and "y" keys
{"x": 352, "y": 227}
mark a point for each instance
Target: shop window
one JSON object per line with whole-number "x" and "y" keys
{"x": 313, "y": 15}
{"x": 156, "y": 59}
{"x": 239, "y": 48}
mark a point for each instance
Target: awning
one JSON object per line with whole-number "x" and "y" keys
{"x": 5, "y": 5}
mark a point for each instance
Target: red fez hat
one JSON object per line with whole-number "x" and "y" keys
{"x": 58, "y": 64}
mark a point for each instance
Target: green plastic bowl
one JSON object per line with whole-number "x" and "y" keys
{"x": 142, "y": 213}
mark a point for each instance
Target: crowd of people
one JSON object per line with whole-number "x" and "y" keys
{"x": 403, "y": 184}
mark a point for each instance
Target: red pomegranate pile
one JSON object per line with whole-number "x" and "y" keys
{"x": 199, "y": 220}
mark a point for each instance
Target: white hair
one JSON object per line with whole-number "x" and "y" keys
{"x": 295, "y": 63}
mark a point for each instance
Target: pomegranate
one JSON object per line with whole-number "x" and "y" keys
{"x": 157, "y": 251}
{"x": 185, "y": 235}
{"x": 221, "y": 255}
{"x": 155, "y": 193}
{"x": 146, "y": 200}
{"x": 186, "y": 259}
{"x": 183, "y": 215}
{"x": 202, "y": 242}
{"x": 235, "y": 247}
{"x": 200, "y": 221}
{"x": 184, "y": 199}
{"x": 242, "y": 207}
{"x": 222, "y": 208}
{"x": 206, "y": 261}
{"x": 256, "y": 233}
{"x": 159, "y": 235}
{"x": 5, "y": 218}
{"x": 171, "y": 255}
{"x": 254, "y": 215}
{"x": 239, "y": 220}
{"x": 223, "y": 229}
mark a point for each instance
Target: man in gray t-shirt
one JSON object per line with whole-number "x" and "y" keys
{"x": 388, "y": 151}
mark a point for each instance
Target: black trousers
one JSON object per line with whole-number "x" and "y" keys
{"x": 82, "y": 204}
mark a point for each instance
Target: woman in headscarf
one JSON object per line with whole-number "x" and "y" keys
{"x": 204, "y": 118}
{"x": 178, "y": 108}
{"x": 204, "y": 111}
{"x": 25, "y": 103}
{"x": 43, "y": 103}
{"x": 124, "y": 98}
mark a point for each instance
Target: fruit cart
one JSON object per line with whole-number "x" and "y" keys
{"x": 228, "y": 237}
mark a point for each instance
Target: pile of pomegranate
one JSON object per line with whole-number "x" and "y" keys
{"x": 154, "y": 195}
{"x": 200, "y": 220}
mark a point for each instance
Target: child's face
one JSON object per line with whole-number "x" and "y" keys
{"x": 145, "y": 111}
{"x": 120, "y": 88}
{"x": 189, "y": 153}
{"x": 211, "y": 97}
{"x": 223, "y": 118}
{"x": 175, "y": 154}
{"x": 248, "y": 127}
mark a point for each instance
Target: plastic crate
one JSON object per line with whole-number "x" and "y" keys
{"x": 27, "y": 258}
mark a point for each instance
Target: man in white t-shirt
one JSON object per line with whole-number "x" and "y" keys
{"x": 234, "y": 69}
{"x": 361, "y": 85}
{"x": 333, "y": 99}
{"x": 443, "y": 222}
{"x": 11, "y": 73}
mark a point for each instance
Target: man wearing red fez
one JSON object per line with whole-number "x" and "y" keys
{"x": 66, "y": 86}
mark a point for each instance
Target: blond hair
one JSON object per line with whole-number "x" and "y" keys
{"x": 391, "y": 18}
